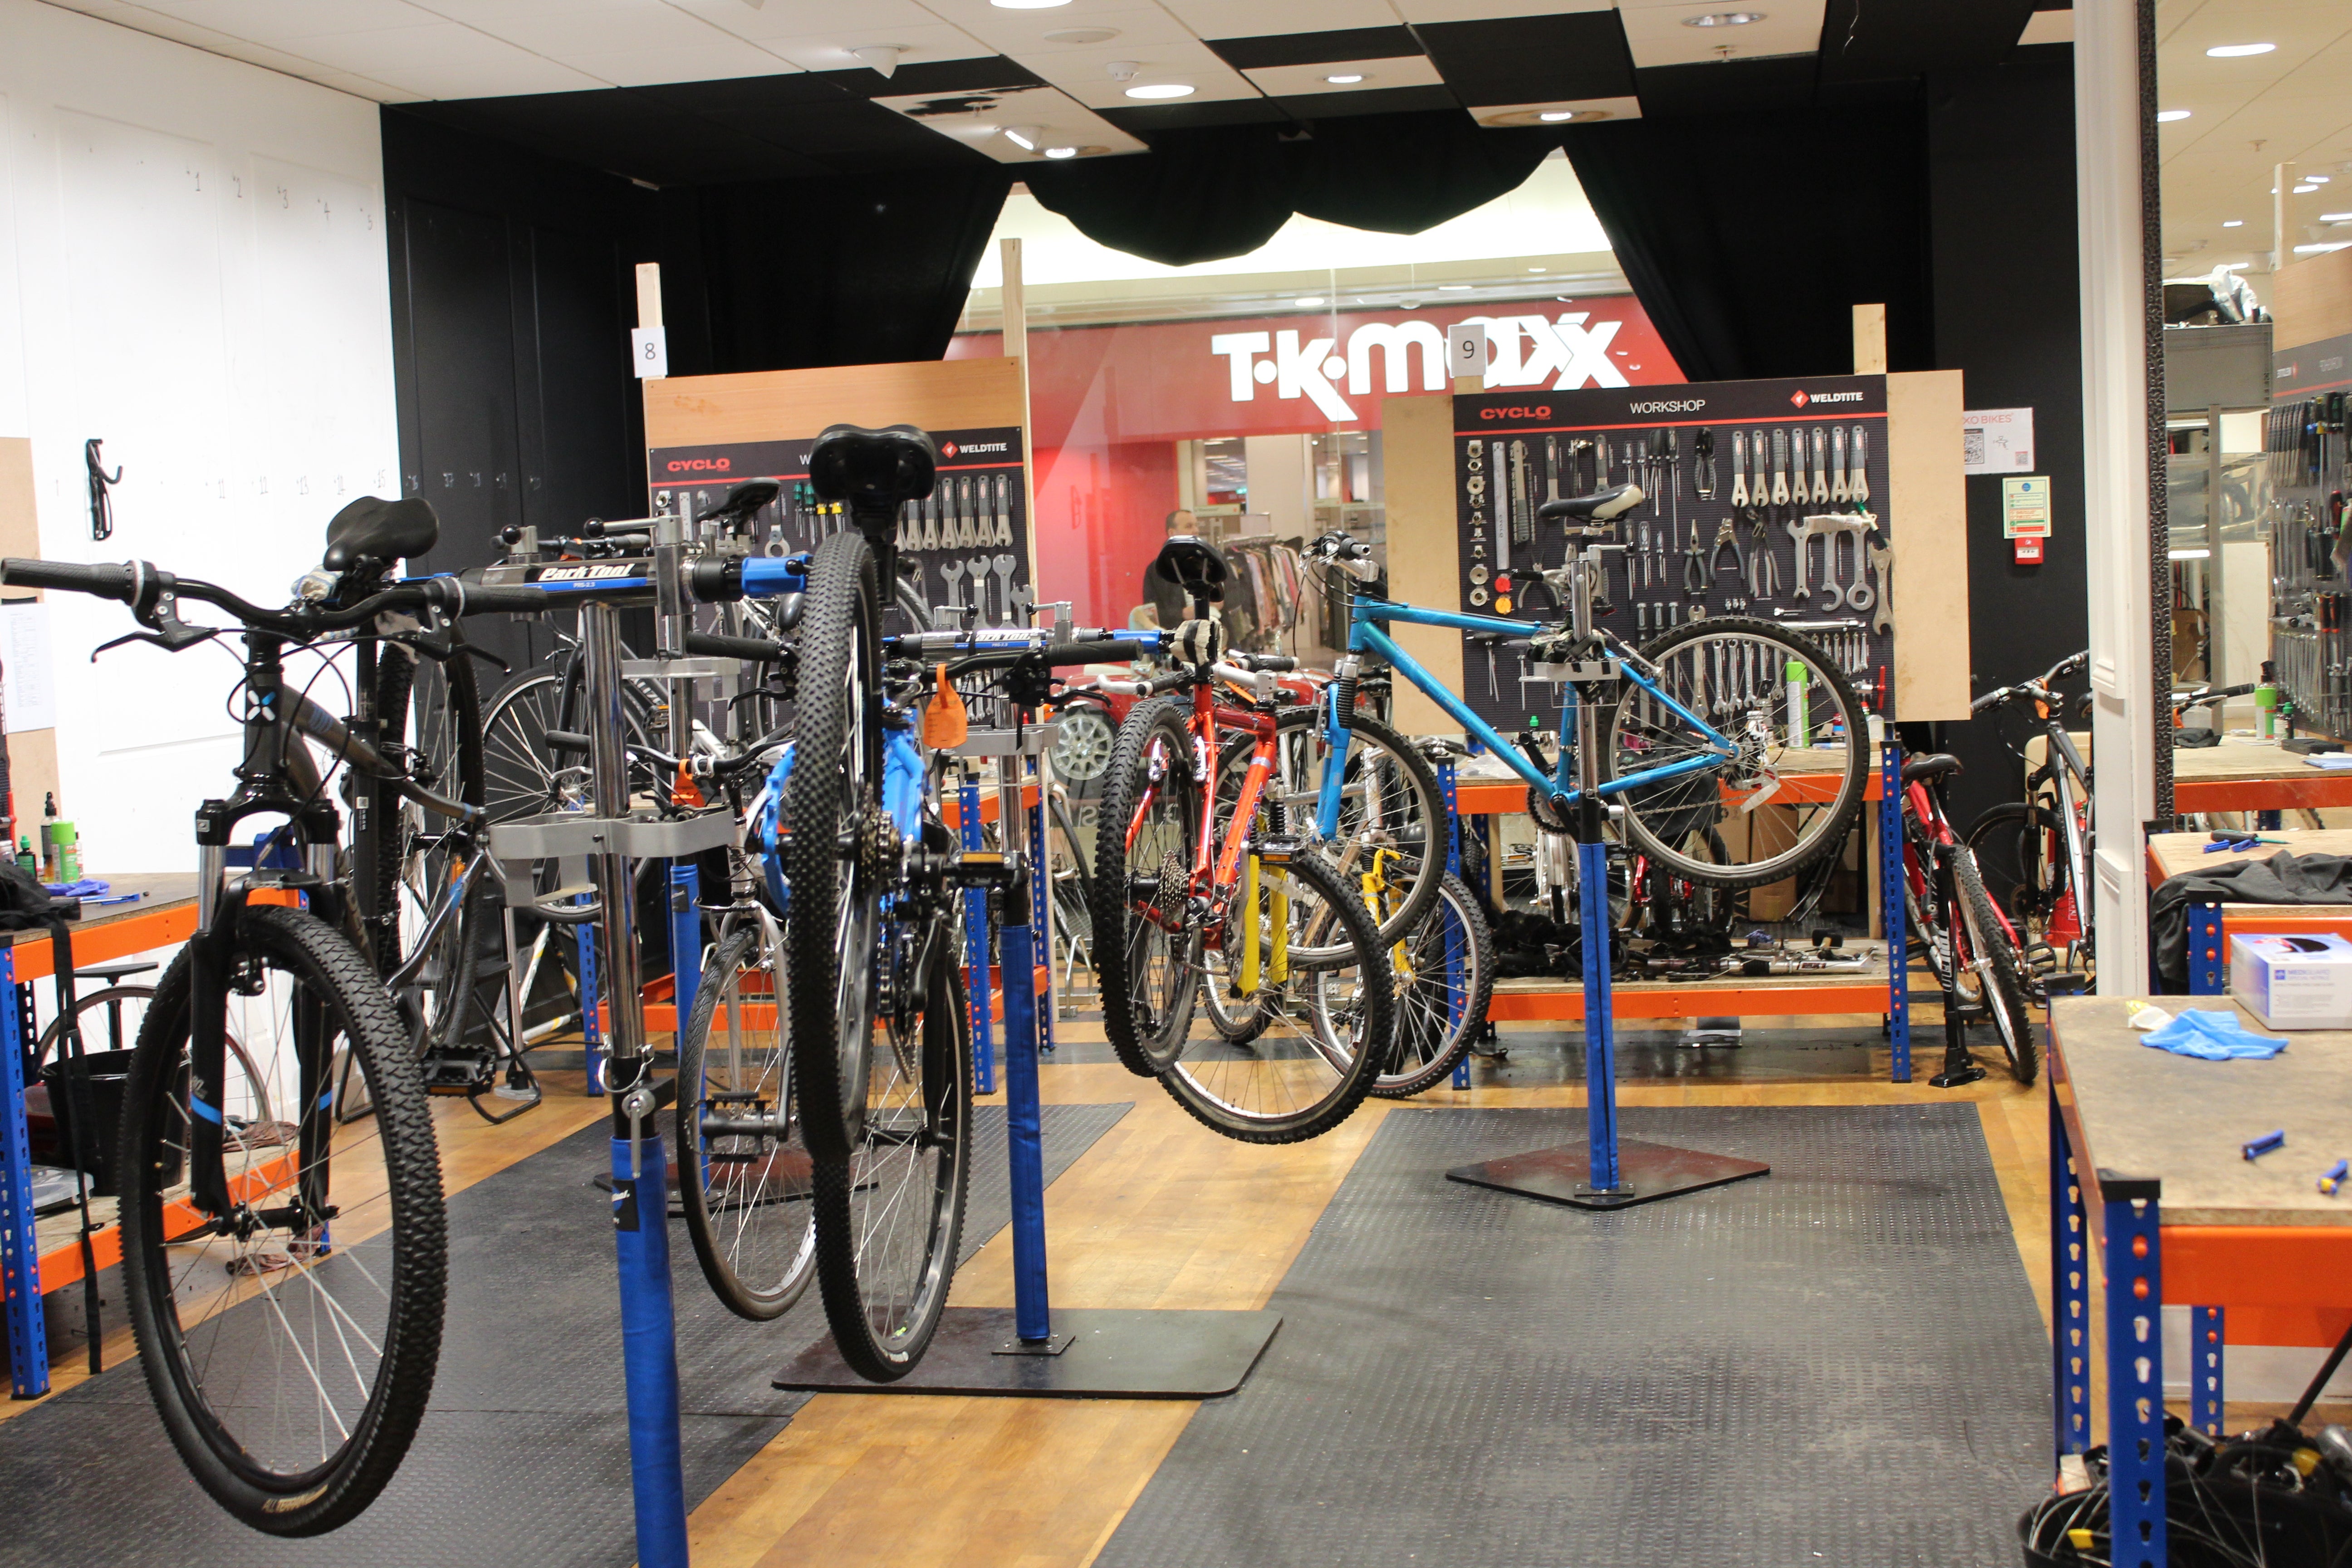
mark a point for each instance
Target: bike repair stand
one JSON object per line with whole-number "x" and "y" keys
{"x": 1029, "y": 1350}
{"x": 1604, "y": 1171}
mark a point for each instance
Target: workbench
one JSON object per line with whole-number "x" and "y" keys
{"x": 2212, "y": 924}
{"x": 2146, "y": 1171}
{"x": 1878, "y": 987}
{"x": 2245, "y": 772}
{"x": 38, "y": 1258}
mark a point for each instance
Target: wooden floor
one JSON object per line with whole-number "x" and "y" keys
{"x": 1159, "y": 1212}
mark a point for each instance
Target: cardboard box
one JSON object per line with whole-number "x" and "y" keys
{"x": 2294, "y": 982}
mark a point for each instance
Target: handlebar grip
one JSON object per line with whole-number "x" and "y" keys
{"x": 1278, "y": 664}
{"x": 723, "y": 647}
{"x": 1174, "y": 681}
{"x": 1108, "y": 652}
{"x": 462, "y": 599}
{"x": 1989, "y": 699}
{"x": 112, "y": 581}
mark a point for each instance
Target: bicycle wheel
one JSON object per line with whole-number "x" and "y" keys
{"x": 889, "y": 1216}
{"x": 1800, "y": 747}
{"x": 2020, "y": 851}
{"x": 430, "y": 711}
{"x": 1326, "y": 1026}
{"x": 835, "y": 859}
{"x": 290, "y": 1349}
{"x": 1145, "y": 937}
{"x": 2002, "y": 973}
{"x": 743, "y": 1172}
{"x": 1431, "y": 1037}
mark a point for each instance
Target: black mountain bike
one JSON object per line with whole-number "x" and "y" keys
{"x": 285, "y": 1274}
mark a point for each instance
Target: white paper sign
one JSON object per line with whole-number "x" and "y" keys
{"x": 649, "y": 349}
{"x": 27, "y": 686}
{"x": 1466, "y": 349}
{"x": 1997, "y": 441}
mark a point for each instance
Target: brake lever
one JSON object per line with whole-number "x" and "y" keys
{"x": 174, "y": 636}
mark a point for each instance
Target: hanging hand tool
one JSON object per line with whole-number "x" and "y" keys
{"x": 1001, "y": 568}
{"x": 1837, "y": 463}
{"x": 1739, "y": 471}
{"x": 977, "y": 570}
{"x": 1671, "y": 470}
{"x": 1523, "y": 503}
{"x": 1780, "y": 472}
{"x": 1642, "y": 554}
{"x": 1725, "y": 534}
{"x": 1857, "y": 484}
{"x": 1695, "y": 571}
{"x": 1551, "y": 467}
{"x": 952, "y": 572}
{"x": 1758, "y": 489}
{"x": 1005, "y": 508}
{"x": 932, "y": 524}
{"x": 1882, "y": 561}
{"x": 1703, "y": 463}
{"x": 971, "y": 513}
{"x": 1821, "y": 467}
{"x": 1763, "y": 566}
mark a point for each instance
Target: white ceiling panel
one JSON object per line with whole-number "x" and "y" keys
{"x": 652, "y": 68}
{"x": 2048, "y": 27}
{"x": 1056, "y": 119}
{"x": 800, "y": 19}
{"x": 1085, "y": 74}
{"x": 1658, "y": 36}
{"x": 830, "y": 51}
{"x": 572, "y": 26}
{"x": 1021, "y": 34}
{"x": 487, "y": 78}
{"x": 367, "y": 87}
{"x": 274, "y": 21}
{"x": 1484, "y": 10}
{"x": 179, "y": 29}
{"x": 1259, "y": 18}
{"x": 1291, "y": 82}
{"x": 1507, "y": 114}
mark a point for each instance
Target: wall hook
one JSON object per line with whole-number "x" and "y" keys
{"x": 102, "y": 506}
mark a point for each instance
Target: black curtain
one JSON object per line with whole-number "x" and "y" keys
{"x": 1747, "y": 237}
{"x": 865, "y": 269}
{"x": 1214, "y": 192}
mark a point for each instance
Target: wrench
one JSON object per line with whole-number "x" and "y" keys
{"x": 977, "y": 570}
{"x": 1002, "y": 567}
{"x": 931, "y": 522}
{"x": 1882, "y": 561}
{"x": 952, "y": 571}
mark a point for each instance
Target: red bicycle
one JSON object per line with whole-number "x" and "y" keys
{"x": 1966, "y": 939}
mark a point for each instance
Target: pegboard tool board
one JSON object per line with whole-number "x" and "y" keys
{"x": 1702, "y": 542}
{"x": 704, "y": 433}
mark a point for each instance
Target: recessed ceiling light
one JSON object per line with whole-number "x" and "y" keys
{"x": 2315, "y": 179}
{"x": 1027, "y": 5}
{"x": 1082, "y": 35}
{"x": 2219, "y": 51}
{"x": 1535, "y": 270}
{"x": 1061, "y": 152}
{"x": 1347, "y": 78}
{"x": 1724, "y": 19}
{"x": 2233, "y": 223}
{"x": 1024, "y": 136}
{"x": 2167, "y": 116}
{"x": 1453, "y": 288}
{"x": 1554, "y": 116}
{"x": 2305, "y": 190}
{"x": 2335, "y": 217}
{"x": 1160, "y": 89}
{"x": 2323, "y": 250}
{"x": 1309, "y": 303}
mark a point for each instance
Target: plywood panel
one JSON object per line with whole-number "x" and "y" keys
{"x": 778, "y": 405}
{"x": 1927, "y": 504}
{"x": 20, "y": 532}
{"x": 2312, "y": 300}
{"x": 1417, "y": 468}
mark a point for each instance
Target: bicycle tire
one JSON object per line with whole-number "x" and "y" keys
{"x": 1661, "y": 817}
{"x": 1146, "y": 973}
{"x": 832, "y": 810}
{"x": 444, "y": 710}
{"x": 1383, "y": 765}
{"x": 884, "y": 1284}
{"x": 1430, "y": 1042}
{"x": 2025, "y": 883}
{"x": 389, "y": 1246}
{"x": 758, "y": 1270}
{"x": 2003, "y": 970}
{"x": 1353, "y": 997}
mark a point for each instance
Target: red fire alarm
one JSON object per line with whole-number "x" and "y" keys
{"x": 2029, "y": 549}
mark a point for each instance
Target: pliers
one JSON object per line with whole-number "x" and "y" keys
{"x": 1763, "y": 566}
{"x": 1696, "y": 573}
{"x": 1726, "y": 534}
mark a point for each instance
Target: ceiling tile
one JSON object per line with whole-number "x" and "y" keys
{"x": 1148, "y": 119}
{"x": 367, "y": 87}
{"x": 1023, "y": 33}
{"x": 1659, "y": 35}
{"x": 1580, "y": 54}
{"x": 1293, "y": 81}
{"x": 978, "y": 121}
{"x": 1334, "y": 104}
{"x": 1255, "y": 18}
{"x": 809, "y": 18}
{"x": 1580, "y": 111}
{"x": 274, "y": 21}
{"x": 708, "y": 62}
{"x": 2049, "y": 28}
{"x": 1315, "y": 48}
{"x": 979, "y": 73}
{"x": 180, "y": 30}
{"x": 524, "y": 73}
{"x": 603, "y": 27}
{"x": 1085, "y": 74}
{"x": 932, "y": 42}
{"x": 1420, "y": 11}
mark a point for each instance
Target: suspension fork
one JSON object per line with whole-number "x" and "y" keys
{"x": 1339, "y": 711}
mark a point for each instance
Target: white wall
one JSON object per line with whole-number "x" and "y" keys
{"x": 191, "y": 266}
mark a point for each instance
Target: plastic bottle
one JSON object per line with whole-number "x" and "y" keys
{"x": 2266, "y": 703}
{"x": 1801, "y": 681}
{"x": 25, "y": 861}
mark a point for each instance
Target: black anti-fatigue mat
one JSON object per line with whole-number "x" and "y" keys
{"x": 1841, "y": 1364}
{"x": 522, "y": 1459}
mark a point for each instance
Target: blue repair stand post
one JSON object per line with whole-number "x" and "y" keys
{"x": 1032, "y": 1351}
{"x": 20, "y": 1252}
{"x": 1604, "y": 1171}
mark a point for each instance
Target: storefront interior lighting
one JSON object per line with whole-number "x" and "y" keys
{"x": 2315, "y": 179}
{"x": 1554, "y": 116}
{"x": 1310, "y": 302}
{"x": 1453, "y": 288}
{"x": 2191, "y": 554}
{"x": 1061, "y": 152}
{"x": 2233, "y": 223}
{"x": 1160, "y": 89}
{"x": 2305, "y": 190}
{"x": 1346, "y": 78}
{"x": 2238, "y": 51}
{"x": 1027, "y": 5}
{"x": 2323, "y": 250}
{"x": 2167, "y": 116}
{"x": 2327, "y": 218}
{"x": 1024, "y": 136}
{"x": 1724, "y": 19}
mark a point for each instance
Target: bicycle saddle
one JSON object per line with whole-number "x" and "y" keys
{"x": 1600, "y": 506}
{"x": 1936, "y": 765}
{"x": 875, "y": 471}
{"x": 743, "y": 501}
{"x": 1194, "y": 565}
{"x": 382, "y": 530}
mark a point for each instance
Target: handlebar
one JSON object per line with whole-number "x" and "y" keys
{"x": 152, "y": 593}
{"x": 723, "y": 647}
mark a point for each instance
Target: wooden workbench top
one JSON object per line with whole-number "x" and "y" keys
{"x": 2238, "y": 757}
{"x": 2170, "y": 853}
{"x": 164, "y": 890}
{"x": 2140, "y": 1112}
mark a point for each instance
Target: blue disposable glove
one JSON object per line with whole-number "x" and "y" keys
{"x": 2214, "y": 1036}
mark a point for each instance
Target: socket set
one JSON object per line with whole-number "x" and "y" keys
{"x": 2305, "y": 461}
{"x": 965, "y": 545}
{"x": 1750, "y": 507}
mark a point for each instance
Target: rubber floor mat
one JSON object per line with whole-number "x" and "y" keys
{"x": 1840, "y": 1364}
{"x": 522, "y": 1459}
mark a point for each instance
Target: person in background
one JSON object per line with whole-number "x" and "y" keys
{"x": 1161, "y": 592}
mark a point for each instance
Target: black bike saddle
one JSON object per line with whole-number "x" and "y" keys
{"x": 381, "y": 530}
{"x": 1600, "y": 506}
{"x": 875, "y": 471}
{"x": 1194, "y": 565}
{"x": 743, "y": 501}
{"x": 1936, "y": 766}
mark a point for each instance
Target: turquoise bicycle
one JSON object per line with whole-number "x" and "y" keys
{"x": 1708, "y": 724}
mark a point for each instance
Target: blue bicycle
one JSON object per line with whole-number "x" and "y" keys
{"x": 1704, "y": 725}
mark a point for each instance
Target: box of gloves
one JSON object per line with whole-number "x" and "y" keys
{"x": 2294, "y": 982}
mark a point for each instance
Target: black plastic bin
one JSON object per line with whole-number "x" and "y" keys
{"x": 107, "y": 1072}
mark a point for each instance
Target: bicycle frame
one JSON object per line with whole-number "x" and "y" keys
{"x": 2066, "y": 772}
{"x": 1367, "y": 635}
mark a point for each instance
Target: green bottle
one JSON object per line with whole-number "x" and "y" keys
{"x": 25, "y": 861}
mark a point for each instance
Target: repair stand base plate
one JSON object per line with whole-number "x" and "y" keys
{"x": 1646, "y": 1172}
